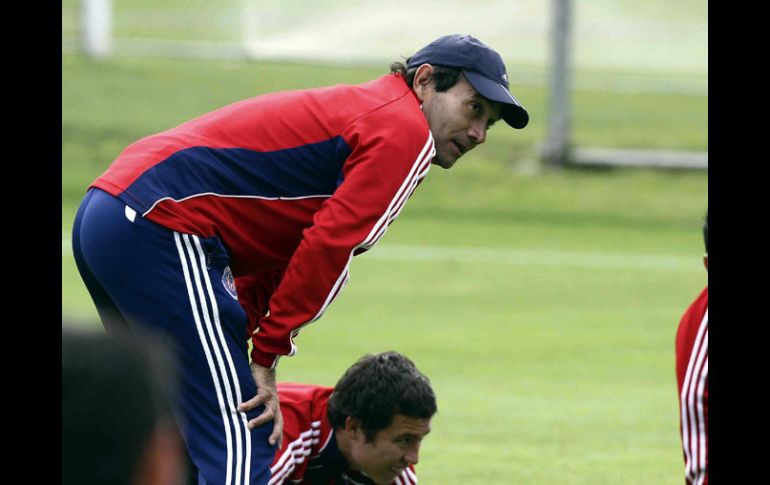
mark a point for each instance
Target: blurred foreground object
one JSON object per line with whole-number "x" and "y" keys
{"x": 117, "y": 427}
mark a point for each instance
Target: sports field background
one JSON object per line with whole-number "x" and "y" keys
{"x": 543, "y": 305}
{"x": 655, "y": 45}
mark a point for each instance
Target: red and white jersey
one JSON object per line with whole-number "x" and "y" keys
{"x": 293, "y": 183}
{"x": 692, "y": 368}
{"x": 309, "y": 453}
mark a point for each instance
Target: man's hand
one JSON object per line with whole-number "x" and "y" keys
{"x": 267, "y": 394}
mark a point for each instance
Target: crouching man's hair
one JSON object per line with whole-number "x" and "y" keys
{"x": 377, "y": 388}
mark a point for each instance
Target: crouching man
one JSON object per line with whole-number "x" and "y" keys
{"x": 366, "y": 430}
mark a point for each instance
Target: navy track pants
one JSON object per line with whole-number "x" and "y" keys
{"x": 150, "y": 278}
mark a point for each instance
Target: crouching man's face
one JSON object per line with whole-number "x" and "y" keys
{"x": 392, "y": 449}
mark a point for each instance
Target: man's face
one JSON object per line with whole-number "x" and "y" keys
{"x": 459, "y": 119}
{"x": 392, "y": 450}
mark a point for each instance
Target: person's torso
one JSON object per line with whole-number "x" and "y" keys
{"x": 254, "y": 173}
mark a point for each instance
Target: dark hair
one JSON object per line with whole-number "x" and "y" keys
{"x": 443, "y": 77}
{"x": 706, "y": 231}
{"x": 377, "y": 388}
{"x": 113, "y": 396}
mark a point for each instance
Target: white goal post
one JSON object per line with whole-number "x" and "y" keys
{"x": 97, "y": 27}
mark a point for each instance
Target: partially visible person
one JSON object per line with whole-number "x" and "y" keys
{"x": 241, "y": 224}
{"x": 692, "y": 369}
{"x": 117, "y": 428}
{"x": 368, "y": 429}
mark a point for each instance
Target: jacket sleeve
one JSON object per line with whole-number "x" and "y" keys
{"x": 386, "y": 162}
{"x": 407, "y": 477}
{"x": 290, "y": 462}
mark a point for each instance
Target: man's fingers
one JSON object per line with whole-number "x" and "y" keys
{"x": 276, "y": 437}
{"x": 267, "y": 415}
{"x": 253, "y": 402}
{"x": 267, "y": 395}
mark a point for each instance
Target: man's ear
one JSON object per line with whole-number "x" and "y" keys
{"x": 353, "y": 426}
{"x": 423, "y": 81}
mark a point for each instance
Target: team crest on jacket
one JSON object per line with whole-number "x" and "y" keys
{"x": 229, "y": 282}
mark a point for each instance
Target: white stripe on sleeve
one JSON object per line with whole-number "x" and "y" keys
{"x": 416, "y": 173}
{"x": 692, "y": 417}
{"x": 294, "y": 454}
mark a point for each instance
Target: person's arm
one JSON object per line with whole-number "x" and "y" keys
{"x": 407, "y": 477}
{"x": 305, "y": 430}
{"x": 692, "y": 377}
{"x": 253, "y": 294}
{"x": 386, "y": 163}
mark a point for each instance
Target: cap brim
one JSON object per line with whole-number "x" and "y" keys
{"x": 513, "y": 112}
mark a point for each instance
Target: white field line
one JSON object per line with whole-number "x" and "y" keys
{"x": 66, "y": 244}
{"x": 525, "y": 257}
{"x": 514, "y": 257}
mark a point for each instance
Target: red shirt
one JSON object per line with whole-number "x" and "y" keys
{"x": 294, "y": 184}
{"x": 309, "y": 453}
{"x": 692, "y": 367}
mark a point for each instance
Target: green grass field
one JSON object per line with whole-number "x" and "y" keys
{"x": 543, "y": 307}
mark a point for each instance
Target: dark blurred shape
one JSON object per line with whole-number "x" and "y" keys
{"x": 117, "y": 427}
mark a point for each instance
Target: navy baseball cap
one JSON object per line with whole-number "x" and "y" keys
{"x": 482, "y": 66}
